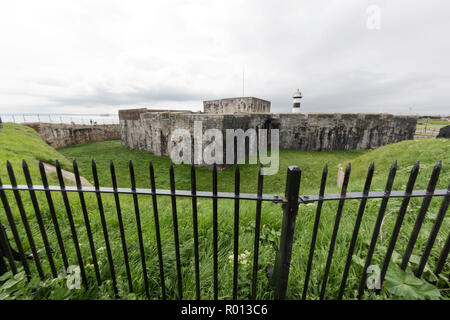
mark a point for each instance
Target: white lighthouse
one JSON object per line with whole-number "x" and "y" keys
{"x": 296, "y": 105}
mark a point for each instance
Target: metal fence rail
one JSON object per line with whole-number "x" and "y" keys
{"x": 279, "y": 273}
{"x": 94, "y": 119}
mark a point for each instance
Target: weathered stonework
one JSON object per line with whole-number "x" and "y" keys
{"x": 135, "y": 114}
{"x": 62, "y": 135}
{"x": 444, "y": 132}
{"x": 237, "y": 105}
{"x": 310, "y": 132}
{"x": 341, "y": 131}
{"x": 152, "y": 132}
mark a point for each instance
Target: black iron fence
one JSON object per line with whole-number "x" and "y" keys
{"x": 278, "y": 274}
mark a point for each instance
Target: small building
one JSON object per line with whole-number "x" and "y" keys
{"x": 236, "y": 105}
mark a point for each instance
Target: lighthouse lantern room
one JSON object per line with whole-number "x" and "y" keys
{"x": 296, "y": 105}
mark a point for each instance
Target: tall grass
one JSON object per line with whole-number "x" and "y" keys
{"x": 17, "y": 143}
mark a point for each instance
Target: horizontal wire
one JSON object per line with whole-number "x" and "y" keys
{"x": 229, "y": 195}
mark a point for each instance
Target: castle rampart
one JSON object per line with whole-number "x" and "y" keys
{"x": 60, "y": 135}
{"x": 151, "y": 130}
{"x": 341, "y": 131}
{"x": 308, "y": 132}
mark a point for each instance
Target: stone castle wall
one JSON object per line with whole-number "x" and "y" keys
{"x": 62, "y": 135}
{"x": 341, "y": 131}
{"x": 152, "y": 132}
{"x": 311, "y": 132}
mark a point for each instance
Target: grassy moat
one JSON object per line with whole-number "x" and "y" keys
{"x": 18, "y": 142}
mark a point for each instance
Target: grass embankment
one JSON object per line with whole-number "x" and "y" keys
{"x": 19, "y": 142}
{"x": 429, "y": 152}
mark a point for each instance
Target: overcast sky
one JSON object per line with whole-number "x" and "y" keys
{"x": 99, "y": 56}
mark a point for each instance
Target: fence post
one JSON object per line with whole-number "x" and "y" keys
{"x": 280, "y": 274}
{"x": 6, "y": 252}
{"x": 3, "y": 241}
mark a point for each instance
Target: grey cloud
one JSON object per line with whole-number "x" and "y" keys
{"x": 104, "y": 96}
{"x": 321, "y": 47}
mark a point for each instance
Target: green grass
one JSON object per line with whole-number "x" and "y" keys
{"x": 311, "y": 163}
{"x": 19, "y": 143}
{"x": 434, "y": 122}
{"x": 431, "y": 125}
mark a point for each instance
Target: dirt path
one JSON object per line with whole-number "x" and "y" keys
{"x": 68, "y": 176}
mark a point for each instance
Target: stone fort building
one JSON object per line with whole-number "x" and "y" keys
{"x": 150, "y": 130}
